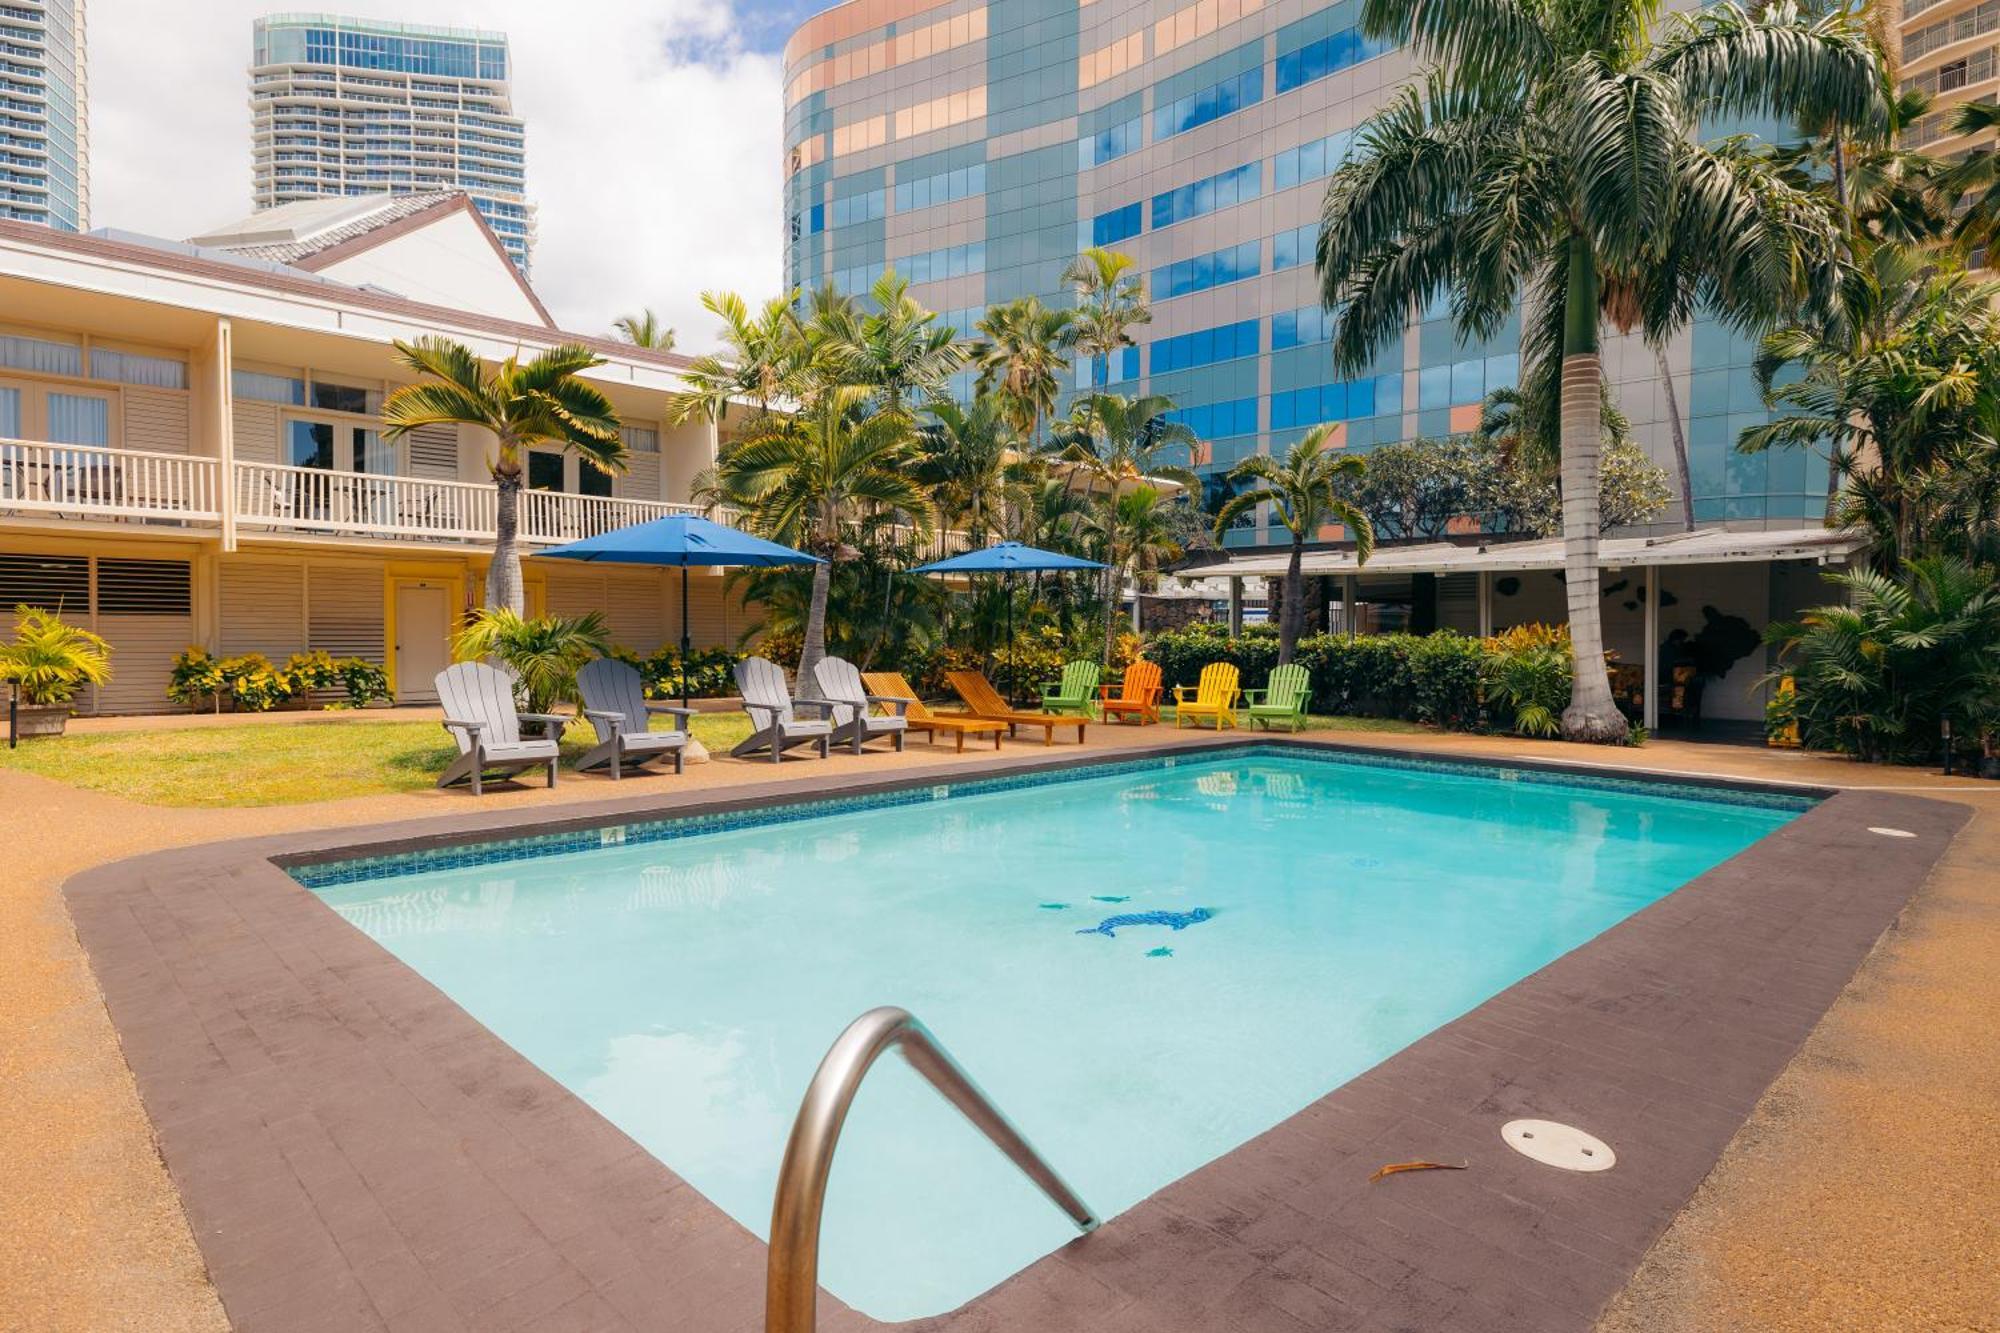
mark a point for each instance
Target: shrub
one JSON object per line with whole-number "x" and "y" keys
{"x": 197, "y": 676}
{"x": 544, "y": 653}
{"x": 1528, "y": 679}
{"x": 256, "y": 686}
{"x": 51, "y": 659}
{"x": 711, "y": 672}
{"x": 253, "y": 682}
{"x": 1445, "y": 678}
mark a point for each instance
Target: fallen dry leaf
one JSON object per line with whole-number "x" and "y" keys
{"x": 1395, "y": 1167}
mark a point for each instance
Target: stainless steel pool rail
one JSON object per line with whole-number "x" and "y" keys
{"x": 791, "y": 1291}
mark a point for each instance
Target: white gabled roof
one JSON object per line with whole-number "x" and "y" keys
{"x": 295, "y": 231}
{"x": 1704, "y": 546}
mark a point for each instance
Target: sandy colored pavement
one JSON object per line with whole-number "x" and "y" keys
{"x": 1861, "y": 1195}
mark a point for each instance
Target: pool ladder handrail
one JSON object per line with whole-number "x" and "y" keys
{"x": 791, "y": 1291}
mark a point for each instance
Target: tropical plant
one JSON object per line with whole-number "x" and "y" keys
{"x": 645, "y": 330}
{"x": 1531, "y": 681}
{"x": 1304, "y": 493}
{"x": 760, "y": 360}
{"x": 897, "y": 349}
{"x": 1976, "y": 177}
{"x": 1110, "y": 303}
{"x": 544, "y": 401}
{"x": 1020, "y": 355}
{"x": 1135, "y": 535}
{"x": 1878, "y": 674}
{"x": 196, "y": 676}
{"x": 967, "y": 456}
{"x": 805, "y": 479}
{"x": 1902, "y": 382}
{"x": 51, "y": 659}
{"x": 544, "y": 653}
{"x": 1554, "y": 150}
{"x": 1415, "y": 488}
{"x": 1114, "y": 445}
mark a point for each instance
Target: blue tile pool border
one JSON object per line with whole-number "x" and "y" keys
{"x": 346, "y": 867}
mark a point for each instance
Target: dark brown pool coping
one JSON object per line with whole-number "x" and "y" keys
{"x": 354, "y": 1151}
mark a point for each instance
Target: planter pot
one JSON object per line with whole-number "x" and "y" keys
{"x": 40, "y": 720}
{"x": 1990, "y": 767}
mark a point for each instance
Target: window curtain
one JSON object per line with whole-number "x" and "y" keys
{"x": 75, "y": 419}
{"x": 10, "y": 414}
{"x": 377, "y": 456}
{"x": 40, "y": 355}
{"x": 152, "y": 372}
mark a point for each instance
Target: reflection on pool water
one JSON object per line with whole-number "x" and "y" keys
{"x": 1289, "y": 922}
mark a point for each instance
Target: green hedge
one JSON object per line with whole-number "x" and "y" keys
{"x": 1434, "y": 678}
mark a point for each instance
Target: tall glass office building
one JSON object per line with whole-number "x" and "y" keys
{"x": 351, "y": 106}
{"x": 44, "y": 124}
{"x": 977, "y": 147}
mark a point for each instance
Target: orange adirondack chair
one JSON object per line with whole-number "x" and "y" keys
{"x": 1138, "y": 695}
{"x": 926, "y": 719}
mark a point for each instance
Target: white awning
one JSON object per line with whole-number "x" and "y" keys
{"x": 1704, "y": 546}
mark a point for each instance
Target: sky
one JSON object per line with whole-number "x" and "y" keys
{"x": 653, "y": 137}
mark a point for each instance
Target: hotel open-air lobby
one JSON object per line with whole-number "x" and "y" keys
{"x": 1242, "y": 669}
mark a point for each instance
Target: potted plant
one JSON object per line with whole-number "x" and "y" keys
{"x": 48, "y": 662}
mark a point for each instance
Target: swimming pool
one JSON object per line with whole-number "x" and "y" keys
{"x": 684, "y": 979}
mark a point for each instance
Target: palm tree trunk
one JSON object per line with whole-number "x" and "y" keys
{"x": 815, "y": 639}
{"x": 1292, "y": 613}
{"x": 1679, "y": 438}
{"x": 1111, "y": 582}
{"x": 1592, "y": 714}
{"x": 503, "y": 577}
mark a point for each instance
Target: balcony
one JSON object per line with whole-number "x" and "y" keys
{"x": 40, "y": 482}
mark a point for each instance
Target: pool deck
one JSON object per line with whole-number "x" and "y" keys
{"x": 353, "y": 1151}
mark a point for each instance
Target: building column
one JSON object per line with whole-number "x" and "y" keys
{"x": 1235, "y": 607}
{"x": 1651, "y": 713}
{"x": 1347, "y": 603}
{"x": 225, "y": 431}
{"x": 1485, "y": 604}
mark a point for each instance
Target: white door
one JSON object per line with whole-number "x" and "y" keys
{"x": 423, "y": 617}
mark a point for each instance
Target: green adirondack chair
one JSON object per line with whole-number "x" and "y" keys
{"x": 1283, "y": 698}
{"x": 1075, "y": 693}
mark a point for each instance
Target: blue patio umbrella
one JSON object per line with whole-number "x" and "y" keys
{"x": 682, "y": 541}
{"x": 1007, "y": 558}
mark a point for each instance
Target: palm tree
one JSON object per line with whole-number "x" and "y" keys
{"x": 1902, "y": 380}
{"x": 899, "y": 350}
{"x": 805, "y": 479}
{"x": 1114, "y": 444}
{"x": 1110, "y": 303}
{"x": 1135, "y": 534}
{"x": 544, "y": 654}
{"x": 967, "y": 457}
{"x": 1555, "y": 145}
{"x": 1020, "y": 355}
{"x": 544, "y": 402}
{"x": 645, "y": 330}
{"x": 760, "y": 362}
{"x": 1304, "y": 492}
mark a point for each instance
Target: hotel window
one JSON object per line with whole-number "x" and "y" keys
{"x": 328, "y": 446}
{"x": 156, "y": 372}
{"x": 76, "y": 418}
{"x": 1951, "y": 76}
{"x": 10, "y": 414}
{"x": 41, "y": 355}
{"x": 329, "y": 396}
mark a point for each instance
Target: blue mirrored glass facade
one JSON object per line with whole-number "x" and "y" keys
{"x": 1200, "y": 146}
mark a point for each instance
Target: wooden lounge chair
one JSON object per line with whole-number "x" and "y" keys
{"x": 1213, "y": 698}
{"x": 479, "y": 713}
{"x": 985, "y": 701}
{"x": 1072, "y": 694}
{"x": 614, "y": 702}
{"x": 1137, "y": 697}
{"x": 920, "y": 717}
{"x": 1283, "y": 698}
{"x": 854, "y": 720}
{"x": 768, "y": 701}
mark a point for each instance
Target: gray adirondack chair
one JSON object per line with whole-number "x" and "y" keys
{"x": 768, "y": 701}
{"x": 479, "y": 713}
{"x": 614, "y": 702}
{"x": 854, "y": 720}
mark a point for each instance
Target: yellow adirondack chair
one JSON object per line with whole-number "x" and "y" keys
{"x": 1214, "y": 698}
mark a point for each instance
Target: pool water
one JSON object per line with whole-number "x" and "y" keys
{"x": 688, "y": 988}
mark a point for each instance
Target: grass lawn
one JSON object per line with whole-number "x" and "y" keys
{"x": 298, "y": 762}
{"x": 280, "y": 764}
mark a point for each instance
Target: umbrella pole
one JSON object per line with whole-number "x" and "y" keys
{"x": 1013, "y": 654}
{"x": 685, "y": 641}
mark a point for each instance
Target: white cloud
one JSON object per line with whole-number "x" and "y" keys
{"x": 653, "y": 140}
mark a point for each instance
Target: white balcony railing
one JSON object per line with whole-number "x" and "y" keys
{"x": 88, "y": 482}
{"x": 552, "y": 516}
{"x": 304, "y": 499}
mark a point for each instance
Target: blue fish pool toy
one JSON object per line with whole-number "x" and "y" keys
{"x": 1176, "y": 920}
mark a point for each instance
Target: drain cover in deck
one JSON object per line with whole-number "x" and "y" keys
{"x": 1563, "y": 1146}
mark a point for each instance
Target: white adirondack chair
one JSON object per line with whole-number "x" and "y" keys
{"x": 614, "y": 701}
{"x": 768, "y": 701}
{"x": 854, "y": 720}
{"x": 479, "y": 713}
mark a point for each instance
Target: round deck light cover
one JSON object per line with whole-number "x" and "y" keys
{"x": 1558, "y": 1145}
